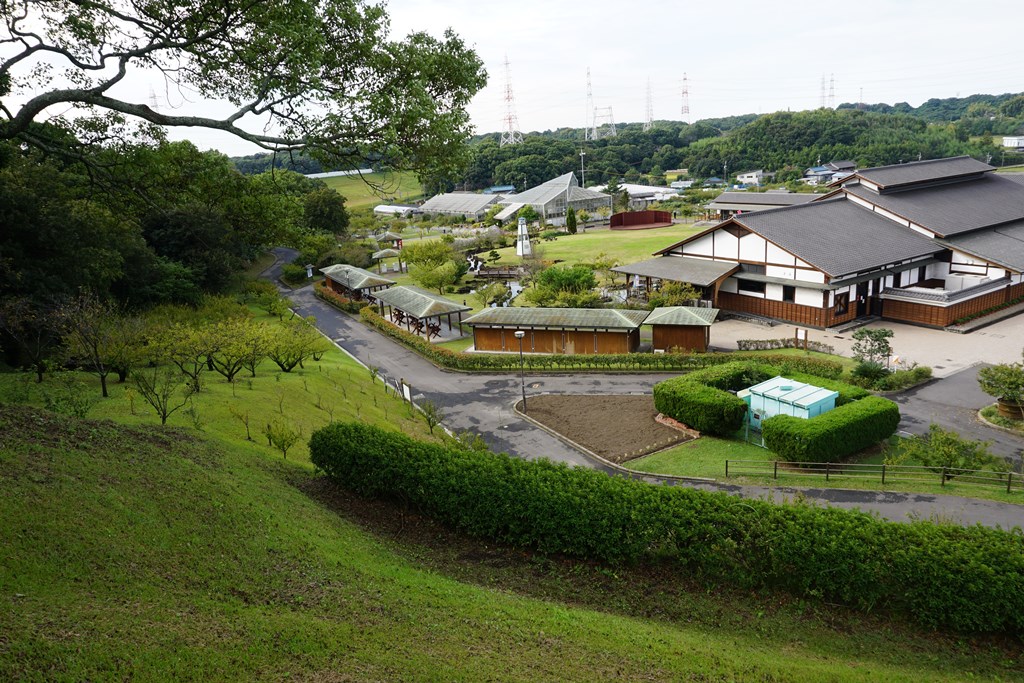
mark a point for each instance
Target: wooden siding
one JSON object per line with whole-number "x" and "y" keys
{"x": 556, "y": 341}
{"x": 687, "y": 337}
{"x": 938, "y": 316}
{"x": 810, "y": 316}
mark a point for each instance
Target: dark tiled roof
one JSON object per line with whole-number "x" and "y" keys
{"x": 417, "y": 302}
{"x": 888, "y": 177}
{"x": 838, "y": 237}
{"x": 697, "y": 271}
{"x": 955, "y": 208}
{"x": 763, "y": 199}
{"x": 1003, "y": 245}
{"x": 355, "y": 278}
{"x": 843, "y": 165}
{"x": 561, "y": 318}
{"x": 682, "y": 315}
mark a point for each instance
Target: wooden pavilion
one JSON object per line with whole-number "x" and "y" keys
{"x": 355, "y": 283}
{"x": 557, "y": 330}
{"x": 419, "y": 310}
{"x": 686, "y": 328}
{"x": 379, "y": 256}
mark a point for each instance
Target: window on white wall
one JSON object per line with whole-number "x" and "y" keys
{"x": 788, "y": 294}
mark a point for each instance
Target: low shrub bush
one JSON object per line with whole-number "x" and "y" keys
{"x": 293, "y": 274}
{"x": 337, "y": 300}
{"x": 787, "y": 343}
{"x": 833, "y": 435}
{"x": 901, "y": 379}
{"x": 705, "y": 408}
{"x": 968, "y": 579}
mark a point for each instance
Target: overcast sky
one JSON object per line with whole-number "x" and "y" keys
{"x": 739, "y": 57}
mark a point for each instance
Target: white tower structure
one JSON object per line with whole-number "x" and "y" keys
{"x": 832, "y": 91}
{"x": 510, "y": 135}
{"x": 523, "y": 248}
{"x": 649, "y": 120}
{"x": 685, "y": 111}
{"x": 604, "y": 124}
{"x": 589, "y": 125}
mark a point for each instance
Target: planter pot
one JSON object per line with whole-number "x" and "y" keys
{"x": 1010, "y": 409}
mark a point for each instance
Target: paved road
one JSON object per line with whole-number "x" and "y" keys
{"x": 953, "y": 402}
{"x": 483, "y": 403}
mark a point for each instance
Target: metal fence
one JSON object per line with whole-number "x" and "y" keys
{"x": 888, "y": 474}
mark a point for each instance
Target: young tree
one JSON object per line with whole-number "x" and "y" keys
{"x": 529, "y": 213}
{"x": 34, "y": 328}
{"x": 872, "y": 345}
{"x": 159, "y": 385}
{"x": 232, "y": 343}
{"x": 1005, "y": 382}
{"x": 432, "y": 414}
{"x": 187, "y": 347}
{"x": 428, "y": 253}
{"x": 570, "y": 220}
{"x": 294, "y": 342}
{"x": 946, "y": 452}
{"x": 489, "y": 294}
{"x": 438, "y": 277}
{"x": 92, "y": 328}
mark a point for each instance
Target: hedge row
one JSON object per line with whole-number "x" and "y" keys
{"x": 969, "y": 579}
{"x": 700, "y": 406}
{"x": 833, "y": 435}
{"x": 664, "y": 362}
{"x": 787, "y": 343}
{"x": 340, "y": 302}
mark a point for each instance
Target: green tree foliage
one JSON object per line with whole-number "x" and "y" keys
{"x": 1005, "y": 382}
{"x": 872, "y": 345}
{"x": 294, "y": 342}
{"x": 436, "y": 277}
{"x": 428, "y": 253}
{"x": 322, "y": 77}
{"x": 564, "y": 287}
{"x": 32, "y": 333}
{"x": 529, "y": 213}
{"x": 570, "y": 220}
{"x": 675, "y": 294}
{"x": 93, "y": 330}
{"x": 324, "y": 211}
{"x": 945, "y": 452}
{"x": 164, "y": 389}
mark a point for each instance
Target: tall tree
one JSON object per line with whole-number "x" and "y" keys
{"x": 321, "y": 76}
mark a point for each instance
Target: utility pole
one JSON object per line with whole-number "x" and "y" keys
{"x": 583, "y": 170}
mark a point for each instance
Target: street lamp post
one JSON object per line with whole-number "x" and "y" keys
{"x": 522, "y": 368}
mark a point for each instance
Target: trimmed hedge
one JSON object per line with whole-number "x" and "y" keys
{"x": 702, "y": 407}
{"x": 968, "y": 579}
{"x": 342, "y": 303}
{"x": 786, "y": 343}
{"x": 832, "y": 435}
{"x": 662, "y": 362}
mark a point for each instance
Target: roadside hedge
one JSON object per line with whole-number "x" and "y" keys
{"x": 655, "y": 362}
{"x": 833, "y": 435}
{"x": 968, "y": 579}
{"x": 322, "y": 291}
{"x": 700, "y": 406}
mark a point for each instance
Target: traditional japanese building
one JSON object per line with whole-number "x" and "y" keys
{"x": 927, "y": 242}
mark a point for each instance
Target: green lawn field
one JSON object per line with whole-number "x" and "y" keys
{"x": 625, "y": 246}
{"x": 376, "y": 188}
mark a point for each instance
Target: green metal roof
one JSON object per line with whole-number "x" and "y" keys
{"x": 559, "y": 318}
{"x": 682, "y": 315}
{"x": 385, "y": 253}
{"x": 417, "y": 302}
{"x": 354, "y": 278}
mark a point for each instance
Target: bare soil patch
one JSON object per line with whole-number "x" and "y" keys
{"x": 618, "y": 428}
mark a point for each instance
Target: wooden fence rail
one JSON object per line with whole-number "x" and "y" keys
{"x": 1010, "y": 481}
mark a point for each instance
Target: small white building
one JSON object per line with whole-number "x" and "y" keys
{"x": 393, "y": 210}
{"x": 751, "y": 177}
{"x": 1013, "y": 142}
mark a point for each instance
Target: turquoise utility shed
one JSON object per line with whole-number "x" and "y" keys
{"x": 781, "y": 396}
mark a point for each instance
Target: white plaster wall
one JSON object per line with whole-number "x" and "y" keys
{"x": 726, "y": 245}
{"x": 700, "y": 246}
{"x": 860, "y": 202}
{"x": 729, "y": 286}
{"x": 779, "y": 271}
{"x": 917, "y": 228}
{"x": 891, "y": 216}
{"x": 773, "y": 292}
{"x": 810, "y": 276}
{"x": 808, "y": 297}
{"x": 752, "y": 248}
{"x": 781, "y": 256}
{"x": 803, "y": 264}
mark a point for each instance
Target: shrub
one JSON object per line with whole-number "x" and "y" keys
{"x": 787, "y": 343}
{"x": 705, "y": 408}
{"x": 742, "y": 374}
{"x": 832, "y": 435}
{"x": 868, "y": 373}
{"x": 968, "y": 579}
{"x": 293, "y": 274}
{"x": 337, "y": 300}
{"x": 901, "y": 379}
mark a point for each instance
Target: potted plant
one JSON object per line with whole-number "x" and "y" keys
{"x": 1006, "y": 382}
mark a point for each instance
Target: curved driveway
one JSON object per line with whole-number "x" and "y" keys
{"x": 483, "y": 404}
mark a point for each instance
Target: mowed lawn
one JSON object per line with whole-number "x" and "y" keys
{"x": 376, "y": 188}
{"x": 625, "y": 246}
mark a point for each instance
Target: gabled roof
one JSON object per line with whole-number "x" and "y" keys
{"x": 920, "y": 172}
{"x": 419, "y": 303}
{"x": 564, "y": 184}
{"x": 697, "y": 271}
{"x": 834, "y": 235}
{"x": 682, "y": 315}
{"x": 955, "y": 208}
{"x": 1002, "y": 245}
{"x": 354, "y": 278}
{"x": 842, "y": 165}
{"x": 559, "y": 318}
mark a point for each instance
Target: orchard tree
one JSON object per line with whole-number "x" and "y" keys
{"x": 323, "y": 77}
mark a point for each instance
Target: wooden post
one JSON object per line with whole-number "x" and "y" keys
{"x": 1009, "y": 482}
{"x": 826, "y": 471}
{"x": 943, "y": 476}
{"x": 726, "y": 468}
{"x": 883, "y": 472}
{"x": 775, "y": 474}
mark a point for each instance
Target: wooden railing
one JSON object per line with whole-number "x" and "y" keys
{"x": 886, "y": 474}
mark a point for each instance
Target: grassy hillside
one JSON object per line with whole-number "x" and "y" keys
{"x": 376, "y": 188}
{"x": 155, "y": 554}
